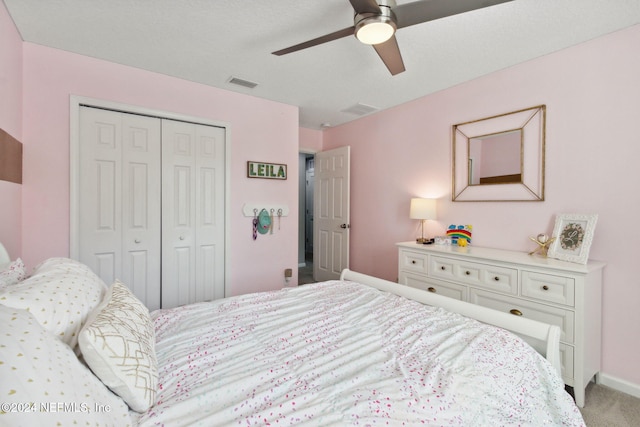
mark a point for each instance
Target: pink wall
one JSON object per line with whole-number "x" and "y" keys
{"x": 310, "y": 140}
{"x": 11, "y": 122}
{"x": 260, "y": 130}
{"x": 592, "y": 96}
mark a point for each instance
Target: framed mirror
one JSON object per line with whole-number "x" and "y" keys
{"x": 500, "y": 158}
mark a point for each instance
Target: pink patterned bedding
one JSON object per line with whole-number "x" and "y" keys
{"x": 341, "y": 353}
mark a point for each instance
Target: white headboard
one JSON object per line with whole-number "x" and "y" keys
{"x": 4, "y": 256}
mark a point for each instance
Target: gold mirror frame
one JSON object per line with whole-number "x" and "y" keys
{"x": 531, "y": 123}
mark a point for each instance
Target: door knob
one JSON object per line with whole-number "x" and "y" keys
{"x": 344, "y": 226}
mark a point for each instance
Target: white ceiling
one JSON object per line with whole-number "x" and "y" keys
{"x": 209, "y": 41}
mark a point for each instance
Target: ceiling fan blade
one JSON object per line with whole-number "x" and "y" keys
{"x": 319, "y": 40}
{"x": 390, "y": 55}
{"x": 365, "y": 6}
{"x": 423, "y": 11}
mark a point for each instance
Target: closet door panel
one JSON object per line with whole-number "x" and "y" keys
{"x": 119, "y": 203}
{"x": 193, "y": 213}
{"x": 141, "y": 175}
{"x": 179, "y": 290}
{"x": 178, "y": 193}
{"x": 100, "y": 225}
{"x": 210, "y": 212}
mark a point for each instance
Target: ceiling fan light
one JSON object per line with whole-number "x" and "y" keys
{"x": 375, "y": 32}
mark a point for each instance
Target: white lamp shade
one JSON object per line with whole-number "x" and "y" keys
{"x": 422, "y": 209}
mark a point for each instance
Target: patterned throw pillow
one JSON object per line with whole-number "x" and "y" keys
{"x": 60, "y": 294}
{"x": 12, "y": 274}
{"x": 43, "y": 382}
{"x": 118, "y": 344}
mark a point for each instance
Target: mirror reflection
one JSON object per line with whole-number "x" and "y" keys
{"x": 496, "y": 158}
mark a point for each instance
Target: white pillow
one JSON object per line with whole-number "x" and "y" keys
{"x": 43, "y": 382}
{"x": 118, "y": 344}
{"x": 12, "y": 274}
{"x": 60, "y": 294}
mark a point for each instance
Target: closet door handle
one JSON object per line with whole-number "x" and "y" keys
{"x": 432, "y": 289}
{"x": 137, "y": 241}
{"x": 515, "y": 312}
{"x": 181, "y": 237}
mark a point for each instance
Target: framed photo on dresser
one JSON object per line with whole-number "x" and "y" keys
{"x": 574, "y": 234}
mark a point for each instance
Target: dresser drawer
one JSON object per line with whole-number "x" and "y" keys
{"x": 495, "y": 278}
{"x": 413, "y": 262}
{"x": 556, "y": 316}
{"x": 547, "y": 287}
{"x": 446, "y": 289}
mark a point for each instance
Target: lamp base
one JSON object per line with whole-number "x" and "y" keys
{"x": 424, "y": 241}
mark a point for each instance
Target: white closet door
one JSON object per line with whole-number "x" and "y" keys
{"x": 119, "y": 201}
{"x": 193, "y": 162}
{"x": 141, "y": 204}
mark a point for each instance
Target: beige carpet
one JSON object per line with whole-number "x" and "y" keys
{"x": 605, "y": 407}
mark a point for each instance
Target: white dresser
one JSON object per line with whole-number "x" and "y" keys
{"x": 552, "y": 291}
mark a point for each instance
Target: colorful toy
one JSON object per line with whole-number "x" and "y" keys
{"x": 457, "y": 233}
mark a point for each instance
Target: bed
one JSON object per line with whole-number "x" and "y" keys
{"x": 355, "y": 351}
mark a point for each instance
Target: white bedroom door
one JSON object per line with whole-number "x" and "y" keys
{"x": 331, "y": 213}
{"x": 119, "y": 225}
{"x": 193, "y": 162}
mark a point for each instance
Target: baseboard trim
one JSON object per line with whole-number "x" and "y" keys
{"x": 619, "y": 384}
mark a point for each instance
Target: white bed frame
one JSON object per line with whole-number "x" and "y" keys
{"x": 527, "y": 328}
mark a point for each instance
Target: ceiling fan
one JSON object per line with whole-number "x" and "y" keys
{"x": 376, "y": 21}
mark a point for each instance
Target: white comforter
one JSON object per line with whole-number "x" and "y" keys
{"x": 341, "y": 353}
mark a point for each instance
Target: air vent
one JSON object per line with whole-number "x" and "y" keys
{"x": 242, "y": 82}
{"x": 360, "y": 109}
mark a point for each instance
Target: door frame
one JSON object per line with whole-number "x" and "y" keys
{"x": 302, "y": 210}
{"x": 75, "y": 103}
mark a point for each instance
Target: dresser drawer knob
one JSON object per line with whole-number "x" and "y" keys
{"x": 413, "y": 261}
{"x": 443, "y": 268}
{"x": 515, "y": 312}
{"x": 545, "y": 287}
{"x": 432, "y": 289}
{"x": 467, "y": 272}
{"x": 497, "y": 279}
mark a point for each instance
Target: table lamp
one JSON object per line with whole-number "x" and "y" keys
{"x": 422, "y": 209}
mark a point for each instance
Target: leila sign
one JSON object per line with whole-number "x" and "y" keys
{"x": 266, "y": 170}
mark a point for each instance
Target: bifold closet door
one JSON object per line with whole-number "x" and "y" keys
{"x": 119, "y": 201}
{"x": 193, "y": 162}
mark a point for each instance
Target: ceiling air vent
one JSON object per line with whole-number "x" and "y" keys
{"x": 242, "y": 82}
{"x": 359, "y": 109}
